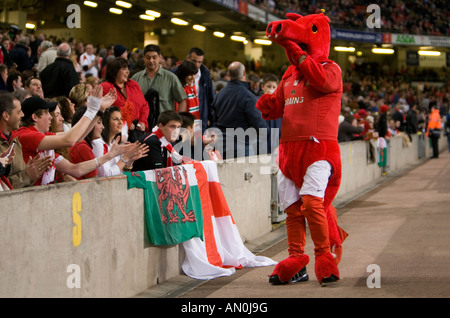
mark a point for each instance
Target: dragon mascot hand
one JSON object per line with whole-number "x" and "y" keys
{"x": 309, "y": 100}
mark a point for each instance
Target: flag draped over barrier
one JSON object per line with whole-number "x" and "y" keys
{"x": 192, "y": 194}
{"x": 382, "y": 152}
{"x": 172, "y": 203}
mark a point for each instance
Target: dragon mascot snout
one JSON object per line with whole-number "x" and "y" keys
{"x": 299, "y": 35}
{"x": 309, "y": 100}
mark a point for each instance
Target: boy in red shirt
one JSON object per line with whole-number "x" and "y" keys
{"x": 36, "y": 138}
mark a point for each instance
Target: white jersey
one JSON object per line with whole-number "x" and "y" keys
{"x": 86, "y": 59}
{"x": 110, "y": 168}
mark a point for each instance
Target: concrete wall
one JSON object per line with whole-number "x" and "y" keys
{"x": 358, "y": 171}
{"x": 96, "y": 229}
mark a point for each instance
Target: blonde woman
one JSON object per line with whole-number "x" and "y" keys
{"x": 79, "y": 95}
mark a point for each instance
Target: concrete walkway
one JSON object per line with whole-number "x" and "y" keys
{"x": 398, "y": 244}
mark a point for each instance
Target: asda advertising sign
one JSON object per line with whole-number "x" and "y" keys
{"x": 410, "y": 39}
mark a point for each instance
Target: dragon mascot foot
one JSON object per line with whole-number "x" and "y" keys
{"x": 326, "y": 269}
{"x": 290, "y": 270}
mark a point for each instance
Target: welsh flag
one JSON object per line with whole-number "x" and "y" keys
{"x": 382, "y": 151}
{"x": 216, "y": 249}
{"x": 173, "y": 210}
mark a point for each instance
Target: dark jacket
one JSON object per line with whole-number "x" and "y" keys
{"x": 382, "y": 126}
{"x": 58, "y": 78}
{"x": 235, "y": 107}
{"x": 412, "y": 124}
{"x": 347, "y": 130}
{"x": 19, "y": 55}
{"x": 398, "y": 116}
{"x": 3, "y": 86}
{"x": 156, "y": 158}
{"x": 206, "y": 97}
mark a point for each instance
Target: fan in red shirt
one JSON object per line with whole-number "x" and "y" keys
{"x": 130, "y": 99}
{"x": 309, "y": 100}
{"x": 84, "y": 150}
{"x": 37, "y": 140}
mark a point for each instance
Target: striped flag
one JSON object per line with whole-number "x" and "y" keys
{"x": 219, "y": 250}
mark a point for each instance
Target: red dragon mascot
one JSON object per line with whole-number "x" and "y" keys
{"x": 308, "y": 99}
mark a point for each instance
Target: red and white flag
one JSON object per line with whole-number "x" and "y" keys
{"x": 222, "y": 250}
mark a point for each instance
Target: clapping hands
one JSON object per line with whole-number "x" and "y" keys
{"x": 130, "y": 151}
{"x": 38, "y": 165}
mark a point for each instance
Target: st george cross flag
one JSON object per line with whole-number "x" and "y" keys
{"x": 219, "y": 250}
{"x": 222, "y": 250}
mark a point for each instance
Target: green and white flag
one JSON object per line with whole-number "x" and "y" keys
{"x": 173, "y": 210}
{"x": 382, "y": 152}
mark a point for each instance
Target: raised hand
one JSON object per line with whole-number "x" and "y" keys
{"x": 94, "y": 101}
{"x": 294, "y": 53}
{"x": 140, "y": 151}
{"x": 97, "y": 91}
{"x": 108, "y": 99}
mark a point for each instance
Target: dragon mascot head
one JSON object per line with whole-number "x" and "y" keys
{"x": 301, "y": 36}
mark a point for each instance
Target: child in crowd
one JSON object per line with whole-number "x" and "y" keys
{"x": 160, "y": 143}
{"x": 186, "y": 72}
{"x": 269, "y": 85}
{"x": 6, "y": 159}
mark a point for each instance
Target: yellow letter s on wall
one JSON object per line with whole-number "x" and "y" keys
{"x": 76, "y": 208}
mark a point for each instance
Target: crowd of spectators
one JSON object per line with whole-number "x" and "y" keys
{"x": 382, "y": 101}
{"x": 407, "y": 103}
{"x": 406, "y": 17}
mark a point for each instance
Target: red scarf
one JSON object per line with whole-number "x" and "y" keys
{"x": 6, "y": 181}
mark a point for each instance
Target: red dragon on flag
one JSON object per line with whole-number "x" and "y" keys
{"x": 171, "y": 190}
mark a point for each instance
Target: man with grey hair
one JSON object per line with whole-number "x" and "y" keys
{"x": 47, "y": 55}
{"x": 59, "y": 77}
{"x": 236, "y": 112}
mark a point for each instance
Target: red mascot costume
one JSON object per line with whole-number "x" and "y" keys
{"x": 309, "y": 100}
